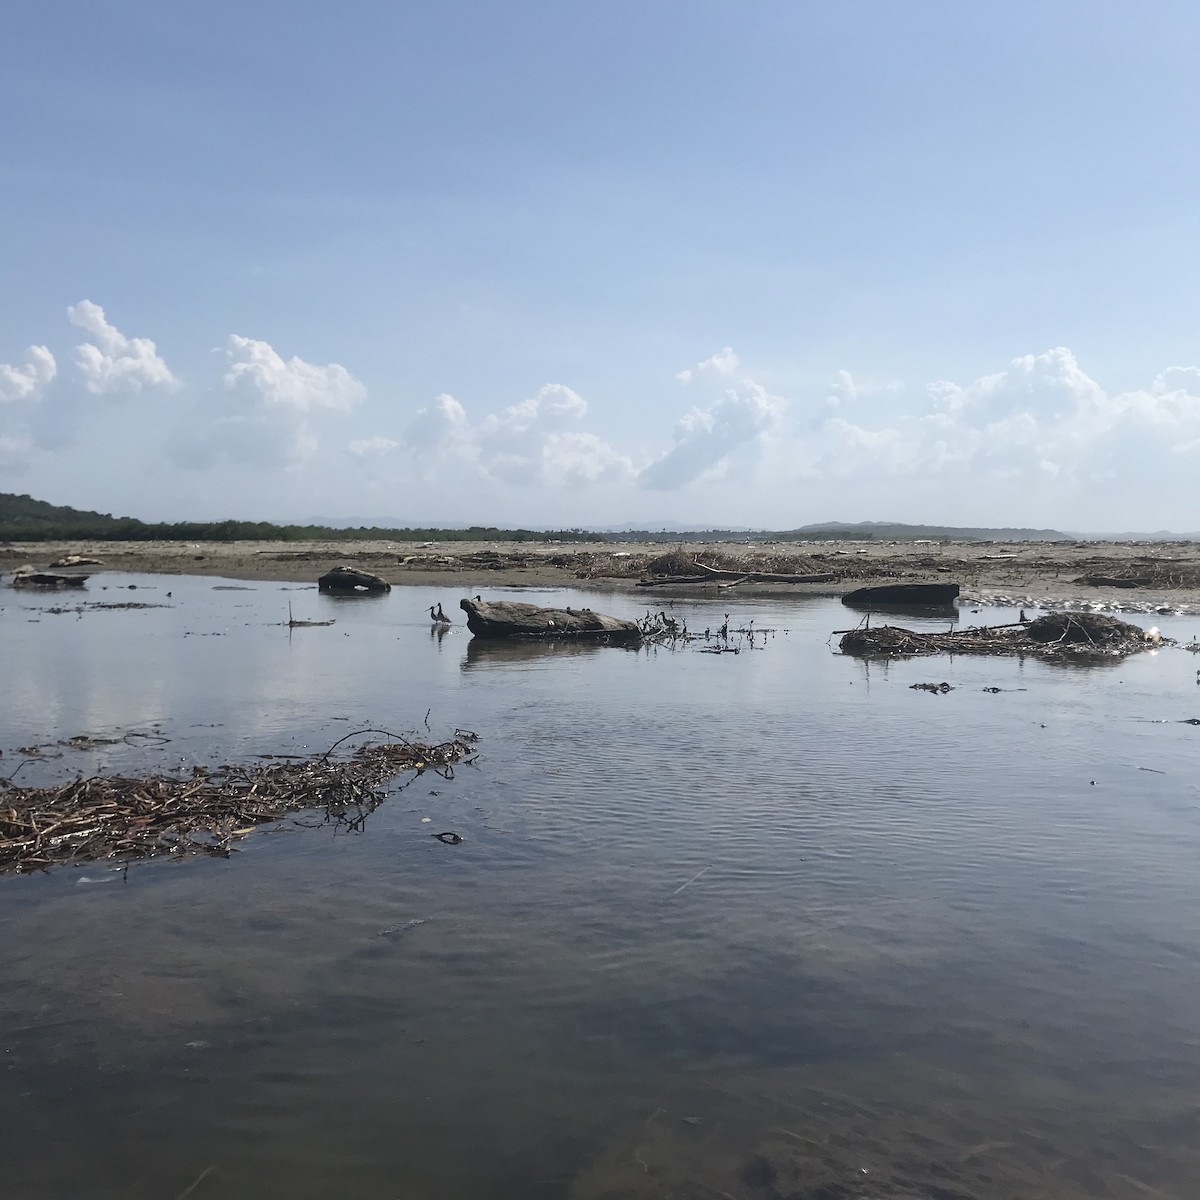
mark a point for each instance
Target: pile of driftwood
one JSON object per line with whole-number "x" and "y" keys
{"x": 1056, "y": 636}
{"x": 725, "y": 578}
{"x": 119, "y": 817}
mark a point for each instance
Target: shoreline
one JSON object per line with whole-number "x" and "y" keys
{"x": 1035, "y": 574}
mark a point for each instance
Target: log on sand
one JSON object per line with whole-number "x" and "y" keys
{"x": 719, "y": 576}
{"x": 505, "y": 619}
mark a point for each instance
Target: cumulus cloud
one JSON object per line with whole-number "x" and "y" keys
{"x": 260, "y": 416}
{"x": 845, "y": 389}
{"x": 21, "y": 389}
{"x": 113, "y": 362}
{"x": 1041, "y": 422}
{"x": 1177, "y": 379}
{"x": 707, "y": 438}
{"x": 28, "y": 381}
{"x": 372, "y": 447}
{"x": 258, "y": 373}
{"x": 536, "y": 442}
{"x": 724, "y": 362}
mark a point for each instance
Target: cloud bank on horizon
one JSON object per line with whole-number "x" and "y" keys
{"x": 1036, "y": 441}
{"x": 758, "y": 264}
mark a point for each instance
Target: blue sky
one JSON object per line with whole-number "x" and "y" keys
{"x": 591, "y": 264}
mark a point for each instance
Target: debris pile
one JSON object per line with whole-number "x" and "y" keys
{"x": 1058, "y": 636}
{"x": 347, "y": 580}
{"x": 119, "y": 817}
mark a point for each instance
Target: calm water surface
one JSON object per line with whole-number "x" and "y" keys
{"x": 766, "y": 925}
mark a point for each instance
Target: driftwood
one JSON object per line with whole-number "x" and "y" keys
{"x": 299, "y": 623}
{"x": 49, "y": 580}
{"x": 123, "y": 818}
{"x": 914, "y": 594}
{"x": 75, "y": 560}
{"x": 505, "y": 619}
{"x": 1056, "y": 636}
{"x": 347, "y": 579}
{"x": 717, "y": 575}
{"x": 1116, "y": 581}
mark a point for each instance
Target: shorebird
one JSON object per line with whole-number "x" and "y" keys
{"x": 438, "y": 617}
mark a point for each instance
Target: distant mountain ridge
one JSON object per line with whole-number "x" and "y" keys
{"x": 22, "y": 518}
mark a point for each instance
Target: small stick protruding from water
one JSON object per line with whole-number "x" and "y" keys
{"x": 187, "y": 1191}
{"x": 691, "y": 881}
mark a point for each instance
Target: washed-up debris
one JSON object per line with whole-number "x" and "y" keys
{"x": 76, "y": 560}
{"x": 297, "y": 623}
{"x": 913, "y": 595}
{"x": 1116, "y": 581}
{"x": 27, "y": 577}
{"x": 350, "y": 580}
{"x": 123, "y": 818}
{"x": 726, "y": 578}
{"x": 99, "y": 606}
{"x": 662, "y": 629}
{"x": 1057, "y": 636}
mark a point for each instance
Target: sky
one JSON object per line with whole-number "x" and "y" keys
{"x": 568, "y": 264}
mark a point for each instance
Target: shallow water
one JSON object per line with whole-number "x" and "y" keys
{"x": 763, "y": 925}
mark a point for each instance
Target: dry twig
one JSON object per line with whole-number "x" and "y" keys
{"x": 120, "y": 817}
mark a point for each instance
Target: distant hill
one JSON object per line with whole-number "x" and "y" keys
{"x": 25, "y": 517}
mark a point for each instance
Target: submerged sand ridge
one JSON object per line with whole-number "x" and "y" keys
{"x": 1121, "y": 576}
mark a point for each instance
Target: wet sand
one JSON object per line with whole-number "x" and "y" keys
{"x": 1030, "y": 573}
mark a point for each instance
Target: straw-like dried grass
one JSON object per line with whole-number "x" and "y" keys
{"x": 119, "y": 817}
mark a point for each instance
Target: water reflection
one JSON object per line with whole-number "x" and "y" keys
{"x": 502, "y": 652}
{"x": 943, "y": 612}
{"x": 724, "y": 923}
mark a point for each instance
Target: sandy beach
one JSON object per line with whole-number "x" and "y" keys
{"x": 1055, "y": 573}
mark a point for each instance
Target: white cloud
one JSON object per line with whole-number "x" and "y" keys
{"x": 845, "y": 389}
{"x": 1177, "y": 379}
{"x": 442, "y": 429}
{"x": 114, "y": 362}
{"x": 724, "y": 362}
{"x": 575, "y": 459}
{"x": 534, "y": 443}
{"x": 743, "y": 417}
{"x": 29, "y": 381}
{"x": 372, "y": 447}
{"x": 259, "y": 373}
{"x": 260, "y": 416}
{"x": 1041, "y": 423}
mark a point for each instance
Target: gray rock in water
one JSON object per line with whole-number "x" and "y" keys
{"x": 504, "y": 619}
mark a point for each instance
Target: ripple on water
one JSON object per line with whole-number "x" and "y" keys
{"x": 839, "y": 923}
